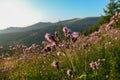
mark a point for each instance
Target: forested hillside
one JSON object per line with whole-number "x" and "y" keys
{"x": 35, "y": 33}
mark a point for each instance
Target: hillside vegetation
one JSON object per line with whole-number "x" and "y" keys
{"x": 75, "y": 57}
{"x": 35, "y": 33}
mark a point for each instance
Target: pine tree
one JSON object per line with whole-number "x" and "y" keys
{"x": 110, "y": 10}
{"x": 118, "y": 6}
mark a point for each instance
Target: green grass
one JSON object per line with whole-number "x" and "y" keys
{"x": 37, "y": 67}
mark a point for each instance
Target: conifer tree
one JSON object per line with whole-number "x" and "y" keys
{"x": 118, "y": 6}
{"x": 110, "y": 10}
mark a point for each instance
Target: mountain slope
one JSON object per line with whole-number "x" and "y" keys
{"x": 28, "y": 28}
{"x": 36, "y": 35}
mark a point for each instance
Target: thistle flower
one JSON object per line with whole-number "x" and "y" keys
{"x": 92, "y": 65}
{"x": 69, "y": 31}
{"x": 48, "y": 37}
{"x": 85, "y": 45}
{"x": 68, "y": 36}
{"x": 69, "y": 72}
{"x": 95, "y": 65}
{"x": 75, "y": 34}
{"x": 65, "y": 29}
{"x": 47, "y": 48}
{"x": 52, "y": 45}
{"x": 55, "y": 64}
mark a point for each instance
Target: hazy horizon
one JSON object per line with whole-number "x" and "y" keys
{"x": 21, "y": 13}
{"x": 43, "y": 22}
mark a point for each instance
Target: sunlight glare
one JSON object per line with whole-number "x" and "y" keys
{"x": 14, "y": 13}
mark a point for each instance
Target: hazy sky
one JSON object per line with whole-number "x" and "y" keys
{"x": 20, "y": 13}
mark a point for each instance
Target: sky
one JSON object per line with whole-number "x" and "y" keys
{"x": 21, "y": 13}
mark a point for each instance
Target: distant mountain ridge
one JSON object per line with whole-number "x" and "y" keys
{"x": 35, "y": 33}
{"x": 46, "y": 24}
{"x": 28, "y": 28}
